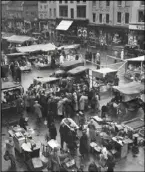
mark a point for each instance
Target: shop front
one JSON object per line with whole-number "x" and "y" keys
{"x": 136, "y": 35}
{"x": 74, "y": 30}
{"x": 108, "y": 35}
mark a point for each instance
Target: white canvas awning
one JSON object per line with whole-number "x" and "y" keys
{"x": 64, "y": 25}
{"x": 140, "y": 58}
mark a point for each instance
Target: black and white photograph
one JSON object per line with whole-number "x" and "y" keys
{"x": 72, "y": 86}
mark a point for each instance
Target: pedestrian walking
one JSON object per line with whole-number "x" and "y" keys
{"x": 97, "y": 59}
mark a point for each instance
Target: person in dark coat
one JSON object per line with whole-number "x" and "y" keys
{"x": 110, "y": 163}
{"x": 12, "y": 69}
{"x": 53, "y": 131}
{"x": 62, "y": 134}
{"x": 18, "y": 74}
{"x": 116, "y": 81}
{"x": 84, "y": 145}
{"x": 23, "y": 122}
{"x": 50, "y": 118}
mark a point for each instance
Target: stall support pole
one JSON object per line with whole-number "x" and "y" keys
{"x": 141, "y": 67}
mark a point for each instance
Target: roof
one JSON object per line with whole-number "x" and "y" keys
{"x": 64, "y": 25}
{"x": 16, "y": 54}
{"x": 105, "y": 70}
{"x": 69, "y": 46}
{"x": 19, "y": 39}
{"x": 140, "y": 58}
{"x": 130, "y": 88}
{"x": 9, "y": 85}
{"x": 78, "y": 70}
{"x": 39, "y": 47}
{"x": 46, "y": 79}
{"x": 71, "y": 63}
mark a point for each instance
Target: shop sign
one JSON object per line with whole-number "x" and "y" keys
{"x": 136, "y": 27}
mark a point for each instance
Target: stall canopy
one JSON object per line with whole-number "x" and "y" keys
{"x": 140, "y": 58}
{"x": 68, "y": 65}
{"x": 44, "y": 80}
{"x": 20, "y": 39}
{"x": 16, "y": 54}
{"x": 130, "y": 88}
{"x": 9, "y": 85}
{"x": 78, "y": 70}
{"x": 69, "y": 46}
{"x": 102, "y": 72}
{"x": 34, "y": 48}
{"x": 64, "y": 25}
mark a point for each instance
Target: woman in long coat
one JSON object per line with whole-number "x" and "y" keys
{"x": 82, "y": 102}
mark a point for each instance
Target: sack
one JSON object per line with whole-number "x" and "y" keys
{"x": 6, "y": 156}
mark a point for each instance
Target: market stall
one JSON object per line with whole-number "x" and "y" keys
{"x": 22, "y": 59}
{"x": 103, "y": 77}
{"x": 135, "y": 68}
{"x": 130, "y": 95}
{"x": 9, "y": 94}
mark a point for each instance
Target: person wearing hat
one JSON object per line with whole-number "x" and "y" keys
{"x": 55, "y": 161}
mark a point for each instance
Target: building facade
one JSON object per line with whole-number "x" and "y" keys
{"x": 109, "y": 21}
{"x": 47, "y": 15}
{"x": 30, "y": 14}
{"x": 137, "y": 25}
{"x": 14, "y": 14}
{"x": 78, "y": 13}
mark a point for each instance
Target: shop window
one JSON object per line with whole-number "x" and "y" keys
{"x": 94, "y": 17}
{"x": 119, "y": 3}
{"x": 81, "y": 11}
{"x": 45, "y": 15}
{"x": 141, "y": 16}
{"x": 126, "y": 18}
{"x": 54, "y": 12}
{"x": 41, "y": 7}
{"x": 72, "y": 13}
{"x": 45, "y": 7}
{"x": 107, "y": 18}
{"x": 119, "y": 17}
{"x": 63, "y": 11}
{"x": 107, "y": 3}
{"x": 127, "y": 3}
{"x": 50, "y": 12}
{"x": 100, "y": 18}
{"x": 142, "y": 3}
{"x": 93, "y": 3}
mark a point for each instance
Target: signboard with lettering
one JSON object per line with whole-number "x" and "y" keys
{"x": 136, "y": 27}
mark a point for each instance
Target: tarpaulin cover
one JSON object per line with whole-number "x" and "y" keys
{"x": 78, "y": 70}
{"x": 140, "y": 58}
{"x": 34, "y": 48}
{"x": 69, "y": 46}
{"x": 20, "y": 39}
{"x": 130, "y": 88}
{"x": 46, "y": 79}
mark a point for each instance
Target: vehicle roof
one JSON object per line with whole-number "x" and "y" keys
{"x": 78, "y": 70}
{"x": 130, "y": 88}
{"x": 45, "y": 79}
